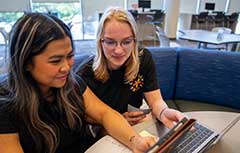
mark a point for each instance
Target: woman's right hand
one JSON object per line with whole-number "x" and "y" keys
{"x": 134, "y": 117}
{"x": 141, "y": 144}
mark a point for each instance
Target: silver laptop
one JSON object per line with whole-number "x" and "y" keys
{"x": 194, "y": 141}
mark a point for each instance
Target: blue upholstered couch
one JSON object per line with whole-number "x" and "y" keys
{"x": 192, "y": 79}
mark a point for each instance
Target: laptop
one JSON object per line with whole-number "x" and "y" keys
{"x": 191, "y": 141}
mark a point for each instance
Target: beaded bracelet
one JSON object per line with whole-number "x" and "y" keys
{"x": 160, "y": 114}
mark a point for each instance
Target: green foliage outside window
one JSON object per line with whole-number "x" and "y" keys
{"x": 9, "y": 17}
{"x": 65, "y": 11}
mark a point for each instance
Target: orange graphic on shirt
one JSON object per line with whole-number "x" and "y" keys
{"x": 137, "y": 83}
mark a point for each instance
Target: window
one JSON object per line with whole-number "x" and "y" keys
{"x": 92, "y": 12}
{"x": 7, "y": 19}
{"x": 70, "y": 13}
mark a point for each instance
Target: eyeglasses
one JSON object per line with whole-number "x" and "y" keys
{"x": 112, "y": 44}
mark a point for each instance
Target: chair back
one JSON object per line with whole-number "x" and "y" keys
{"x": 163, "y": 39}
{"x": 4, "y": 34}
{"x": 233, "y": 17}
{"x": 203, "y": 15}
{"x": 158, "y": 15}
{"x": 219, "y": 14}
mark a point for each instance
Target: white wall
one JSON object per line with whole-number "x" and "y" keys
{"x": 130, "y": 2}
{"x": 184, "y": 21}
{"x": 234, "y": 6}
{"x": 58, "y": 1}
{"x": 155, "y": 4}
{"x": 15, "y": 5}
{"x": 91, "y": 8}
{"x": 188, "y": 6}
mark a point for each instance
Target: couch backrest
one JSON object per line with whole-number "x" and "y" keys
{"x": 165, "y": 60}
{"x": 209, "y": 76}
{"x": 191, "y": 74}
{"x": 81, "y": 59}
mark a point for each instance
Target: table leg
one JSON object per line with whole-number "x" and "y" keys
{"x": 199, "y": 44}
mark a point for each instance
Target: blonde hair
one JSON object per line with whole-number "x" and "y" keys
{"x": 100, "y": 61}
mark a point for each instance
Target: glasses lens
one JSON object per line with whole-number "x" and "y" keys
{"x": 127, "y": 43}
{"x": 111, "y": 44}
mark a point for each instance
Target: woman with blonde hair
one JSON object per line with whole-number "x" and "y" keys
{"x": 121, "y": 73}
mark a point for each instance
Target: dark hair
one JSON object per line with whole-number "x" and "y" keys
{"x": 29, "y": 37}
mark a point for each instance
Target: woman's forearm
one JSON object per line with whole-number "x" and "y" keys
{"x": 113, "y": 122}
{"x": 118, "y": 127}
{"x": 156, "y": 102}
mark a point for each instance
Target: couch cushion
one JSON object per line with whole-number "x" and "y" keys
{"x": 172, "y": 104}
{"x": 80, "y": 59}
{"x": 165, "y": 60}
{"x": 189, "y": 106}
{"x": 209, "y": 76}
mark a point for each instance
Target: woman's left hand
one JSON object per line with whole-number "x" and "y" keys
{"x": 169, "y": 117}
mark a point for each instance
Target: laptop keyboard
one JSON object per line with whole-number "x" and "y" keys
{"x": 192, "y": 139}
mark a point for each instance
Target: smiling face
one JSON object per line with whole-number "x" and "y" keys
{"x": 51, "y": 67}
{"x": 121, "y": 34}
